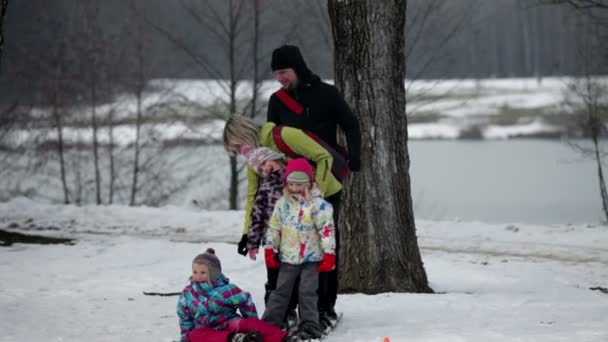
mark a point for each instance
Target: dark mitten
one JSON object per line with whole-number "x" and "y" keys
{"x": 354, "y": 164}
{"x": 242, "y": 247}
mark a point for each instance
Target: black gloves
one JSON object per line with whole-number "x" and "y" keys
{"x": 242, "y": 247}
{"x": 354, "y": 164}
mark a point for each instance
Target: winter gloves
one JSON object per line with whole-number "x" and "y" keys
{"x": 328, "y": 263}
{"x": 271, "y": 259}
{"x": 242, "y": 247}
{"x": 252, "y": 253}
{"x": 272, "y": 262}
{"x": 354, "y": 164}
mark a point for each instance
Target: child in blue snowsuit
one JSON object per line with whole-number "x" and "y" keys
{"x": 207, "y": 308}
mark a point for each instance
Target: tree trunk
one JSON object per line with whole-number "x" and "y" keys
{"x": 256, "y": 39}
{"x": 377, "y": 231}
{"x": 234, "y": 172}
{"x": 136, "y": 147}
{"x": 60, "y": 151}
{"x": 3, "y": 7}
{"x": 112, "y": 166}
{"x": 601, "y": 180}
{"x": 56, "y": 91}
{"x": 234, "y": 184}
{"x": 95, "y": 143}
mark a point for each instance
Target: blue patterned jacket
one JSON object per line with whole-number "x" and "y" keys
{"x": 212, "y": 305}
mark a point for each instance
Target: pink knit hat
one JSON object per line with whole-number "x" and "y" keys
{"x": 257, "y": 155}
{"x": 299, "y": 171}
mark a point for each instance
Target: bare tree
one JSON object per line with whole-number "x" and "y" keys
{"x": 228, "y": 26}
{"x": 137, "y": 86}
{"x": 254, "y": 54}
{"x": 56, "y": 92}
{"x": 591, "y": 105}
{"x": 378, "y": 232}
{"x": 431, "y": 26}
{"x": 8, "y": 121}
{"x": 3, "y": 8}
{"x": 90, "y": 50}
{"x": 597, "y": 12}
{"x": 96, "y": 59}
{"x": 580, "y": 4}
{"x": 587, "y": 96}
{"x": 51, "y": 74}
{"x": 8, "y": 118}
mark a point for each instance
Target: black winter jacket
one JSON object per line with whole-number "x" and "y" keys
{"x": 324, "y": 110}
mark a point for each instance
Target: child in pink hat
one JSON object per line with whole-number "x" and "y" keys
{"x": 300, "y": 242}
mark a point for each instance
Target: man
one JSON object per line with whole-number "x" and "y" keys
{"x": 324, "y": 107}
{"x": 319, "y": 108}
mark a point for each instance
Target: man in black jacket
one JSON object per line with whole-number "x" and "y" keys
{"x": 320, "y": 109}
{"x": 324, "y": 108}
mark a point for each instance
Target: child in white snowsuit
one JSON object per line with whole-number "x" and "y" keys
{"x": 301, "y": 233}
{"x": 270, "y": 166}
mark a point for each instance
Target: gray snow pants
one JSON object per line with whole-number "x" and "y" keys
{"x": 276, "y": 308}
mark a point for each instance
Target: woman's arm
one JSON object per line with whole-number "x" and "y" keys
{"x": 253, "y": 181}
{"x": 308, "y": 148}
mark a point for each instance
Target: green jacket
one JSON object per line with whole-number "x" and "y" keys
{"x": 304, "y": 146}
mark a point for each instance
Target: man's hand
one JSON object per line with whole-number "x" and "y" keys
{"x": 354, "y": 164}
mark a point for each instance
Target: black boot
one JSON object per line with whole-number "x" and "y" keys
{"x": 251, "y": 336}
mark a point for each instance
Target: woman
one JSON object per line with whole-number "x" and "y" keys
{"x": 241, "y": 131}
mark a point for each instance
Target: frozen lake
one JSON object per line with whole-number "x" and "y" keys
{"x": 531, "y": 181}
{"x": 500, "y": 181}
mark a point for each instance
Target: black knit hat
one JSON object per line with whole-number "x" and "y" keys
{"x": 289, "y": 56}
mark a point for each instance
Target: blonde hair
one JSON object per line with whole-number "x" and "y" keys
{"x": 288, "y": 195}
{"x": 239, "y": 131}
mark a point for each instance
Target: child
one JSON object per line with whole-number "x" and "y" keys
{"x": 301, "y": 231}
{"x": 268, "y": 164}
{"x": 207, "y": 308}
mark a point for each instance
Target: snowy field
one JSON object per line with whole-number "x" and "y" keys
{"x": 494, "y": 282}
{"x": 437, "y": 109}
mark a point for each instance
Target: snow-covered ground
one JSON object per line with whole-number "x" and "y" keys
{"x": 493, "y": 282}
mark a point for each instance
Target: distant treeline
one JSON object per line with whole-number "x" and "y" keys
{"x": 198, "y": 39}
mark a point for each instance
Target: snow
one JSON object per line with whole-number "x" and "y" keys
{"x": 433, "y": 131}
{"x": 460, "y": 103}
{"x": 493, "y": 282}
{"x": 124, "y": 135}
{"x": 505, "y": 132}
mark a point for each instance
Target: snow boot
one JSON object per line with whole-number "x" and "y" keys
{"x": 251, "y": 336}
